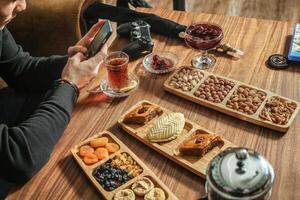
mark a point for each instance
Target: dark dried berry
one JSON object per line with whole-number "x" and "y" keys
{"x": 110, "y": 177}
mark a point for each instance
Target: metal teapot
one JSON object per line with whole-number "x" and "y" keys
{"x": 239, "y": 174}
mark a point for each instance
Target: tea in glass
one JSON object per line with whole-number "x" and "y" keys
{"x": 117, "y": 73}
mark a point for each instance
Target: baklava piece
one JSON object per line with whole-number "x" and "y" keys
{"x": 201, "y": 143}
{"x": 142, "y": 114}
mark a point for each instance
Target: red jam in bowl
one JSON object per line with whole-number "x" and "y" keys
{"x": 203, "y": 36}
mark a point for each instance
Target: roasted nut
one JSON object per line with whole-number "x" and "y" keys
{"x": 214, "y": 89}
{"x": 278, "y": 110}
{"x": 124, "y": 161}
{"x": 186, "y": 79}
{"x": 246, "y": 100}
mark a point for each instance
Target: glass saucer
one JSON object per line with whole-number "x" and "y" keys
{"x": 147, "y": 62}
{"x": 123, "y": 92}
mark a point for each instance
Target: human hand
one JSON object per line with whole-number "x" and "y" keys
{"x": 79, "y": 69}
{"x": 83, "y": 44}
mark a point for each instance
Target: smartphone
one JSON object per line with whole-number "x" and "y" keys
{"x": 101, "y": 37}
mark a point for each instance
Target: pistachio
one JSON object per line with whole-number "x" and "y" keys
{"x": 186, "y": 79}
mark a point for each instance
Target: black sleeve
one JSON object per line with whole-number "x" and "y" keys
{"x": 24, "y": 72}
{"x": 25, "y": 148}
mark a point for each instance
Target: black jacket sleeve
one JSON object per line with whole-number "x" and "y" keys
{"x": 24, "y": 72}
{"x": 25, "y": 148}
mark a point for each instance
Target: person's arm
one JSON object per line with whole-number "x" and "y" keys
{"x": 24, "y": 72}
{"x": 25, "y": 148}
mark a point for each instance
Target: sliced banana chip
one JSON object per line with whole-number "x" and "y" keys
{"x": 142, "y": 186}
{"x": 167, "y": 128}
{"x": 155, "y": 194}
{"x": 126, "y": 194}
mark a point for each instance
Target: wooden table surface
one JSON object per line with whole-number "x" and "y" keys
{"x": 62, "y": 178}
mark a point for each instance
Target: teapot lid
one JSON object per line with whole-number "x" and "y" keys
{"x": 240, "y": 172}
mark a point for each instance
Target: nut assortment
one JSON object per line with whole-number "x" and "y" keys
{"x": 155, "y": 194}
{"x": 246, "y": 100}
{"x": 141, "y": 188}
{"x": 214, "y": 89}
{"x": 278, "y": 110}
{"x": 186, "y": 79}
{"x": 125, "y": 161}
{"x": 121, "y": 175}
{"x": 228, "y": 96}
{"x": 126, "y": 194}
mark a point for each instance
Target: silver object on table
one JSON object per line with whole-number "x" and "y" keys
{"x": 239, "y": 173}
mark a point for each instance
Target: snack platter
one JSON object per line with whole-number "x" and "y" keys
{"x": 127, "y": 170}
{"x": 171, "y": 148}
{"x": 234, "y": 98}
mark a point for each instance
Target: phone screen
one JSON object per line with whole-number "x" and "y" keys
{"x": 101, "y": 37}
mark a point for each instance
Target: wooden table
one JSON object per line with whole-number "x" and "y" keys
{"x": 61, "y": 177}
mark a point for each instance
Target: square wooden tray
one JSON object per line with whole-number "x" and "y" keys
{"x": 221, "y": 107}
{"x": 88, "y": 169}
{"x": 170, "y": 149}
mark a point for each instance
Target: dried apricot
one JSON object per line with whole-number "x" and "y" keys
{"x": 101, "y": 153}
{"x": 90, "y": 158}
{"x": 99, "y": 142}
{"x": 112, "y": 147}
{"x": 83, "y": 150}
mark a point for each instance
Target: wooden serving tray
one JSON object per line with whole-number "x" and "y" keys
{"x": 221, "y": 107}
{"x": 170, "y": 149}
{"x": 88, "y": 169}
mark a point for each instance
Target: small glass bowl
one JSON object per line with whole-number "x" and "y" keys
{"x": 147, "y": 62}
{"x": 123, "y": 92}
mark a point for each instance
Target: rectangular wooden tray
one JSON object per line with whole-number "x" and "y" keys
{"x": 88, "y": 169}
{"x": 170, "y": 149}
{"x": 221, "y": 107}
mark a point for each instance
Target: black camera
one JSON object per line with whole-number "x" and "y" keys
{"x": 139, "y": 33}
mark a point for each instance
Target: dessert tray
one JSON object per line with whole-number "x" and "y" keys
{"x": 175, "y": 137}
{"x": 116, "y": 171}
{"x": 234, "y": 98}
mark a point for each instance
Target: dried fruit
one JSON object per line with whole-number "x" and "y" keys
{"x": 85, "y": 149}
{"x": 111, "y": 177}
{"x": 101, "y": 153}
{"x": 90, "y": 158}
{"x": 99, "y": 142}
{"x": 112, "y": 147}
{"x": 161, "y": 63}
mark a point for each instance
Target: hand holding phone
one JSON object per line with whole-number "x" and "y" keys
{"x": 99, "y": 40}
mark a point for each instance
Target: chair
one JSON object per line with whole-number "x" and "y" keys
{"x": 47, "y": 28}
